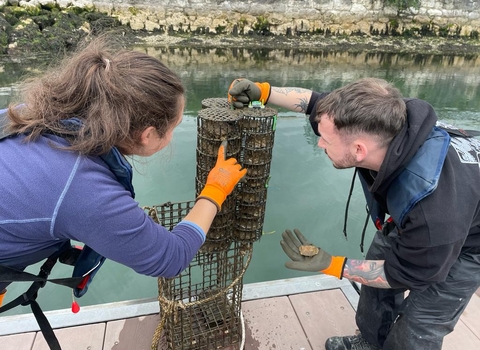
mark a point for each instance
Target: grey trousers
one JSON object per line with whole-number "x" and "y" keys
{"x": 420, "y": 321}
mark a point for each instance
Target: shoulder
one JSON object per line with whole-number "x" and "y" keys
{"x": 314, "y": 98}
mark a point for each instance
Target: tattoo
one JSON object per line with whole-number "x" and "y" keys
{"x": 295, "y": 93}
{"x": 286, "y": 90}
{"x": 302, "y": 105}
{"x": 368, "y": 272}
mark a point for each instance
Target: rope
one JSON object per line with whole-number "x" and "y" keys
{"x": 168, "y": 307}
{"x": 152, "y": 212}
{"x": 242, "y": 344}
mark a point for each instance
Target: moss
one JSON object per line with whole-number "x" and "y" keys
{"x": 443, "y": 31}
{"x": 3, "y": 42}
{"x": 48, "y": 29}
{"x": 411, "y": 32}
{"x": 33, "y": 10}
{"x": 242, "y": 22}
{"x": 16, "y": 11}
{"x": 10, "y": 18}
{"x": 44, "y": 21}
{"x": 63, "y": 27}
{"x": 133, "y": 10}
{"x": 220, "y": 29}
{"x": 51, "y": 6}
{"x": 262, "y": 26}
{"x": 77, "y": 10}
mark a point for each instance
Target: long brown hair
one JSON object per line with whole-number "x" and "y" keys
{"x": 115, "y": 94}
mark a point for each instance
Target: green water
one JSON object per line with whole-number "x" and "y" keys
{"x": 305, "y": 191}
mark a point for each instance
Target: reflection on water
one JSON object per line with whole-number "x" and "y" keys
{"x": 305, "y": 191}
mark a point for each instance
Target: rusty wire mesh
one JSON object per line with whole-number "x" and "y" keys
{"x": 250, "y": 133}
{"x": 258, "y": 134}
{"x": 201, "y": 307}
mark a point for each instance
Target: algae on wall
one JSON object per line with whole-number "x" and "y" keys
{"x": 44, "y": 25}
{"x": 294, "y": 17}
{"x": 50, "y": 28}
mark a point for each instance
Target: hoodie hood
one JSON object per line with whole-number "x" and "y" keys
{"x": 421, "y": 118}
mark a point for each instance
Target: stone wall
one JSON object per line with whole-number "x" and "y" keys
{"x": 288, "y": 17}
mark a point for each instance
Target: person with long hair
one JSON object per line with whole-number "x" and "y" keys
{"x": 64, "y": 176}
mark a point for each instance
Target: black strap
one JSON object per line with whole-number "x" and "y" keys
{"x": 29, "y": 297}
{"x": 7, "y": 274}
{"x": 352, "y": 186}
{"x": 45, "y": 326}
{"x": 362, "y": 239}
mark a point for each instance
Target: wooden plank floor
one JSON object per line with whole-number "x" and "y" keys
{"x": 294, "y": 321}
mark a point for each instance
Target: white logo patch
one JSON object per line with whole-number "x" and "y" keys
{"x": 468, "y": 149}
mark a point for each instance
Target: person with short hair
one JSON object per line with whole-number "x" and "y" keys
{"x": 421, "y": 182}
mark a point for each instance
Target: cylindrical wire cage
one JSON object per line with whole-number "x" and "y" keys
{"x": 258, "y": 134}
{"x": 215, "y": 125}
{"x": 201, "y": 307}
{"x": 219, "y": 102}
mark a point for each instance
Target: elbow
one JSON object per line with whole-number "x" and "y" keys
{"x": 172, "y": 268}
{"x": 173, "y": 273}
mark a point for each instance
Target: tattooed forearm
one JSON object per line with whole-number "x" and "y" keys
{"x": 367, "y": 272}
{"x": 302, "y": 105}
{"x": 287, "y": 90}
{"x": 293, "y": 98}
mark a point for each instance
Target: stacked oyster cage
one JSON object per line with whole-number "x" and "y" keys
{"x": 250, "y": 134}
{"x": 258, "y": 130}
{"x": 201, "y": 308}
{"x": 215, "y": 125}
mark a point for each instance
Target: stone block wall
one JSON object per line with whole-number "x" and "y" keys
{"x": 288, "y": 17}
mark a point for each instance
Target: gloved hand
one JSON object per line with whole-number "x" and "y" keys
{"x": 2, "y": 295}
{"x": 222, "y": 178}
{"x": 322, "y": 261}
{"x": 243, "y": 91}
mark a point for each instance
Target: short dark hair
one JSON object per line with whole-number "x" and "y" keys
{"x": 116, "y": 93}
{"x": 370, "y": 105}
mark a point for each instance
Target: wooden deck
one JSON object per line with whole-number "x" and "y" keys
{"x": 299, "y": 313}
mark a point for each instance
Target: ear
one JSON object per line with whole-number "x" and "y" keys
{"x": 147, "y": 135}
{"x": 360, "y": 150}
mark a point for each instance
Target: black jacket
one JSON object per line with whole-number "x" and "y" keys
{"x": 441, "y": 225}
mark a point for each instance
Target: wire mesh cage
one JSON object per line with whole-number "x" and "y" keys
{"x": 201, "y": 307}
{"x": 215, "y": 125}
{"x": 250, "y": 134}
{"x": 216, "y": 102}
{"x": 210, "y": 317}
{"x": 169, "y": 214}
{"x": 259, "y": 121}
{"x": 258, "y": 134}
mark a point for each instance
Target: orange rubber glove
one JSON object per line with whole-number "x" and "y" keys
{"x": 321, "y": 262}
{"x": 242, "y": 91}
{"x": 2, "y": 295}
{"x": 222, "y": 178}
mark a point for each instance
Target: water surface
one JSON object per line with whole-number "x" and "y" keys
{"x": 305, "y": 191}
